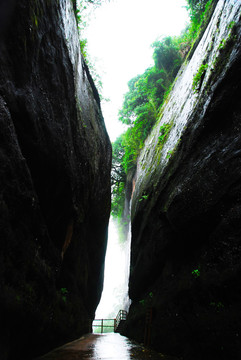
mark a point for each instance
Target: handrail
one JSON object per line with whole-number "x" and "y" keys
{"x": 122, "y": 315}
{"x": 100, "y": 323}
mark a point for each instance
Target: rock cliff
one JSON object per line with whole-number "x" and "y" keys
{"x": 186, "y": 219}
{"x": 55, "y": 160}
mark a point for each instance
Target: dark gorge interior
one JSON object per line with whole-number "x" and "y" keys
{"x": 54, "y": 205}
{"x": 55, "y": 193}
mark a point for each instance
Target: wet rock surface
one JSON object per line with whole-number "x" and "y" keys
{"x": 186, "y": 249}
{"x": 55, "y": 160}
{"x": 102, "y": 347}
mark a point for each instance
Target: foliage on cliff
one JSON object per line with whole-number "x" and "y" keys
{"x": 197, "y": 10}
{"x": 148, "y": 91}
{"x": 182, "y": 217}
{"x": 118, "y": 178}
{"x": 146, "y": 95}
{"x": 82, "y": 8}
{"x": 140, "y": 111}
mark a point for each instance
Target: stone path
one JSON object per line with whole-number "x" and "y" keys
{"x": 103, "y": 347}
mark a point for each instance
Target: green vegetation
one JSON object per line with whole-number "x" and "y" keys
{"x": 169, "y": 154}
{"x": 144, "y": 197}
{"x": 64, "y": 293}
{"x": 118, "y": 178}
{"x": 218, "y": 306}
{"x": 164, "y": 132}
{"x": 81, "y": 10}
{"x": 146, "y": 95}
{"x": 196, "y": 273}
{"x": 231, "y": 24}
{"x": 198, "y": 78}
{"x": 198, "y": 12}
{"x": 225, "y": 48}
{"x": 147, "y": 301}
{"x": 144, "y": 99}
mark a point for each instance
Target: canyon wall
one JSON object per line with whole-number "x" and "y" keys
{"x": 55, "y": 159}
{"x": 186, "y": 207}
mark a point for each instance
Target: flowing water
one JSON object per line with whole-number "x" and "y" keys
{"x": 103, "y": 347}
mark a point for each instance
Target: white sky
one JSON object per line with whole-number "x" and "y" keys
{"x": 120, "y": 34}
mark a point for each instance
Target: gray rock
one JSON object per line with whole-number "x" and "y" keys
{"x": 186, "y": 250}
{"x": 55, "y": 183}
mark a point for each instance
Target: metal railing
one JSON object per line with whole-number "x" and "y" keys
{"x": 103, "y": 325}
{"x": 122, "y": 315}
{"x": 109, "y": 325}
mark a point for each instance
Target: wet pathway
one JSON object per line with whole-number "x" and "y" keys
{"x": 103, "y": 347}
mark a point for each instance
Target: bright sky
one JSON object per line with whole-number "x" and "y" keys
{"x": 120, "y": 34}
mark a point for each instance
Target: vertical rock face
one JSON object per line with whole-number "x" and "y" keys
{"x": 186, "y": 219}
{"x": 55, "y": 160}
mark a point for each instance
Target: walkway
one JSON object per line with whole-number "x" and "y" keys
{"x": 110, "y": 346}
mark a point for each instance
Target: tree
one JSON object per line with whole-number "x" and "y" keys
{"x": 197, "y": 9}
{"x": 118, "y": 178}
{"x": 197, "y": 5}
{"x": 118, "y": 174}
{"x": 167, "y": 57}
{"x": 146, "y": 95}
